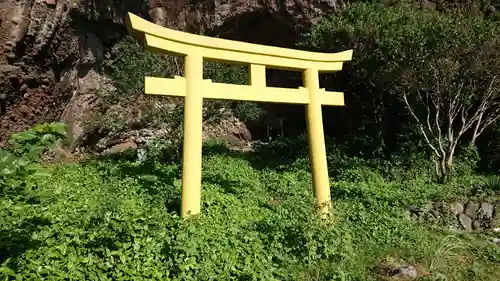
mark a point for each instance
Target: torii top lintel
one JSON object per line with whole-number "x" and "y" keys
{"x": 166, "y": 40}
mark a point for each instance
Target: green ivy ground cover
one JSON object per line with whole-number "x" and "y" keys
{"x": 118, "y": 220}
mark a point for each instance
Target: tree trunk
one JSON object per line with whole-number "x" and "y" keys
{"x": 444, "y": 166}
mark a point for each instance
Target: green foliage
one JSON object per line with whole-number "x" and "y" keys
{"x": 128, "y": 64}
{"x": 24, "y": 152}
{"x": 163, "y": 150}
{"x": 35, "y": 141}
{"x": 231, "y": 74}
{"x": 466, "y": 161}
{"x": 432, "y": 58}
{"x": 489, "y": 149}
{"x": 248, "y": 111}
{"x": 493, "y": 183}
{"x": 225, "y": 73}
{"x": 117, "y": 220}
{"x": 109, "y": 120}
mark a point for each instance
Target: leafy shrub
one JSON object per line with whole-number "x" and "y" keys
{"x": 248, "y": 111}
{"x": 401, "y": 55}
{"x": 37, "y": 140}
{"x": 112, "y": 119}
{"x": 231, "y": 74}
{"x": 467, "y": 160}
{"x": 225, "y": 73}
{"x": 128, "y": 65}
{"x": 24, "y": 152}
{"x": 492, "y": 183}
{"x": 163, "y": 150}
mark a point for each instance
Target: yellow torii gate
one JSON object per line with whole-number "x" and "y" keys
{"x": 194, "y": 88}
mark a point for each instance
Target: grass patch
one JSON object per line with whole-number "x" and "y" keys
{"x": 118, "y": 220}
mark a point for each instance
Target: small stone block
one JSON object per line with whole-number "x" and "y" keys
{"x": 476, "y": 225}
{"x": 456, "y": 208}
{"x": 471, "y": 209}
{"x": 466, "y": 222}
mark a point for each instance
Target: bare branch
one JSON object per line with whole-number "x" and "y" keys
{"x": 428, "y": 119}
{"x": 486, "y": 102}
{"x": 421, "y": 127}
{"x": 455, "y": 107}
{"x": 438, "y": 134}
{"x": 494, "y": 116}
{"x": 437, "y": 117}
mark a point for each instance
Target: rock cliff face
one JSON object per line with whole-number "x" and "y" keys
{"x": 52, "y": 51}
{"x": 195, "y": 15}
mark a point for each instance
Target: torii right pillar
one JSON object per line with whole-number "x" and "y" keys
{"x": 317, "y": 149}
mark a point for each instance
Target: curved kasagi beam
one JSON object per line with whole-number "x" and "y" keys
{"x": 162, "y": 39}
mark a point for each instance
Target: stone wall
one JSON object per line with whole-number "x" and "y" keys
{"x": 469, "y": 216}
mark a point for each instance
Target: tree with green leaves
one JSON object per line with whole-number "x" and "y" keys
{"x": 454, "y": 99}
{"x": 436, "y": 71}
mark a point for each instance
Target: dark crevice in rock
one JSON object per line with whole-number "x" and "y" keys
{"x": 267, "y": 28}
{"x": 259, "y": 27}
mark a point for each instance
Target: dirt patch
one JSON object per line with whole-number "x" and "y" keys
{"x": 37, "y": 105}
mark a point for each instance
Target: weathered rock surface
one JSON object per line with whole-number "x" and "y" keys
{"x": 408, "y": 271}
{"x": 486, "y": 210}
{"x": 465, "y": 221}
{"x": 231, "y": 131}
{"x": 209, "y": 15}
{"x": 51, "y": 52}
{"x": 456, "y": 207}
{"x": 397, "y": 270}
{"x": 48, "y": 49}
{"x": 471, "y": 209}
